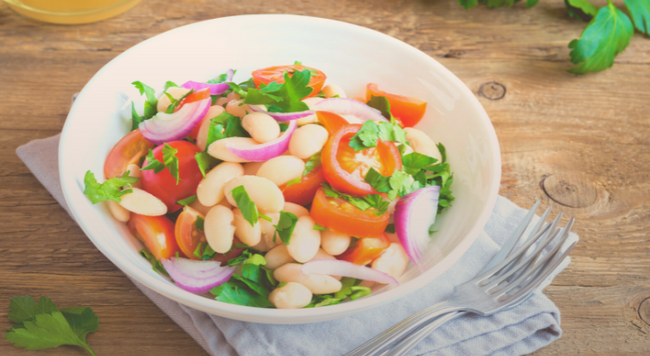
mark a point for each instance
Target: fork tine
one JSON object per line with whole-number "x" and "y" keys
{"x": 512, "y": 240}
{"x": 535, "y": 230}
{"x": 537, "y": 262}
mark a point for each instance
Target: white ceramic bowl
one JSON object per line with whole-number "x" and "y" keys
{"x": 351, "y": 56}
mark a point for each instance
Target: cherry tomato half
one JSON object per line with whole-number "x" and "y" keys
{"x": 407, "y": 109}
{"x": 303, "y": 193}
{"x": 332, "y": 121}
{"x": 366, "y": 250}
{"x": 126, "y": 151}
{"x": 339, "y": 215}
{"x": 163, "y": 184}
{"x": 345, "y": 168}
{"x": 276, "y": 74}
{"x": 157, "y": 233}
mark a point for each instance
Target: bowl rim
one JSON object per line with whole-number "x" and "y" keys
{"x": 296, "y": 316}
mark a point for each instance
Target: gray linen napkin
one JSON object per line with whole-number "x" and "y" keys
{"x": 528, "y": 327}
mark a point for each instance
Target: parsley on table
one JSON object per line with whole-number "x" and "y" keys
{"x": 171, "y": 161}
{"x": 582, "y": 9}
{"x": 286, "y": 225}
{"x": 640, "y": 11}
{"x": 43, "y": 326}
{"x": 608, "y": 34}
{"x": 151, "y": 104}
{"x": 111, "y": 189}
{"x": 245, "y": 205}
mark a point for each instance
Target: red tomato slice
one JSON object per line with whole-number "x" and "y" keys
{"x": 409, "y": 110}
{"x": 345, "y": 168}
{"x": 366, "y": 250}
{"x": 276, "y": 74}
{"x": 339, "y": 215}
{"x": 157, "y": 233}
{"x": 303, "y": 193}
{"x": 128, "y": 150}
{"x": 189, "y": 237}
{"x": 163, "y": 185}
{"x": 332, "y": 121}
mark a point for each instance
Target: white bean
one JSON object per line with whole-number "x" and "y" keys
{"x": 175, "y": 92}
{"x": 233, "y": 96}
{"x": 291, "y": 296}
{"x": 143, "y": 203}
{"x": 219, "y": 229}
{"x": 317, "y": 283}
{"x": 237, "y": 108}
{"x": 204, "y": 129}
{"x": 219, "y": 150}
{"x": 203, "y": 209}
{"x": 278, "y": 256}
{"x": 282, "y": 169}
{"x": 251, "y": 168}
{"x": 335, "y": 243}
{"x": 134, "y": 171}
{"x": 311, "y": 119}
{"x": 118, "y": 212}
{"x": 264, "y": 193}
{"x": 262, "y": 127}
{"x": 295, "y": 209}
{"x": 307, "y": 140}
{"x": 222, "y": 101}
{"x": 210, "y": 189}
{"x": 422, "y": 143}
{"x": 268, "y": 232}
{"x": 250, "y": 235}
{"x": 331, "y": 90}
{"x": 392, "y": 261}
{"x": 305, "y": 241}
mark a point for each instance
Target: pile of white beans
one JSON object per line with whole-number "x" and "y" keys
{"x": 224, "y": 221}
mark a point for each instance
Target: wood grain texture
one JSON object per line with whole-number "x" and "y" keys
{"x": 592, "y": 132}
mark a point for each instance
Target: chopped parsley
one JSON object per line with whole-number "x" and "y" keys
{"x": 111, "y": 189}
{"x": 350, "y": 288}
{"x": 371, "y": 131}
{"x": 151, "y": 104}
{"x": 245, "y": 205}
{"x": 285, "y": 226}
{"x": 176, "y": 102}
{"x": 187, "y": 201}
{"x": 319, "y": 228}
{"x": 171, "y": 161}
{"x": 254, "y": 285}
{"x": 313, "y": 163}
{"x": 153, "y": 163}
{"x": 366, "y": 202}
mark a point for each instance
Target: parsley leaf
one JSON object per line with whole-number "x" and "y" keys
{"x": 176, "y": 102}
{"x": 376, "y": 180}
{"x": 42, "y": 326}
{"x": 414, "y": 162}
{"x": 608, "y": 33}
{"x": 390, "y": 228}
{"x": 109, "y": 190}
{"x": 366, "y": 202}
{"x": 238, "y": 292}
{"x": 254, "y": 285}
{"x": 293, "y": 181}
{"x": 170, "y": 84}
{"x": 295, "y": 89}
{"x": 187, "y": 201}
{"x": 468, "y": 4}
{"x": 205, "y": 161}
{"x": 582, "y": 9}
{"x": 245, "y": 205}
{"x": 135, "y": 118}
{"x": 313, "y": 163}
{"x": 285, "y": 226}
{"x": 366, "y": 137}
{"x": 348, "y": 289}
{"x": 319, "y": 228}
{"x": 151, "y": 104}
{"x": 155, "y": 264}
{"x": 381, "y": 103}
{"x": 640, "y": 11}
{"x": 171, "y": 161}
{"x": 153, "y": 163}
{"x": 222, "y": 78}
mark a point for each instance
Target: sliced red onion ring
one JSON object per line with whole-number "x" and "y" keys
{"x": 266, "y": 151}
{"x": 230, "y": 72}
{"x": 350, "y": 107}
{"x": 347, "y": 269}
{"x": 215, "y": 89}
{"x": 414, "y": 215}
{"x": 284, "y": 116}
{"x": 165, "y": 127}
{"x": 197, "y": 276}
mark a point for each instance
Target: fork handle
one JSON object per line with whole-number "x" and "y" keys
{"x": 403, "y": 328}
{"x": 416, "y": 337}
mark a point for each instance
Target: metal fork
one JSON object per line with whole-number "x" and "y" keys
{"x": 509, "y": 278}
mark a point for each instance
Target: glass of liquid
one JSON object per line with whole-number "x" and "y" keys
{"x": 71, "y": 11}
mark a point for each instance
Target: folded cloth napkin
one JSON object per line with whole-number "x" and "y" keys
{"x": 528, "y": 327}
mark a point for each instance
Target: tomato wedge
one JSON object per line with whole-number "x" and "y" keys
{"x": 407, "y": 109}
{"x": 276, "y": 74}
{"x": 332, "y": 121}
{"x": 196, "y": 96}
{"x": 156, "y": 232}
{"x": 366, "y": 250}
{"x": 303, "y": 193}
{"x": 189, "y": 237}
{"x": 345, "y": 168}
{"x": 126, "y": 151}
{"x": 163, "y": 184}
{"x": 339, "y": 215}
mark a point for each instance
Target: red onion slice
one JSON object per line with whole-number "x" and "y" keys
{"x": 165, "y": 127}
{"x": 414, "y": 215}
{"x": 284, "y": 116}
{"x": 197, "y": 276}
{"x": 347, "y": 269}
{"x": 215, "y": 89}
{"x": 350, "y": 107}
{"x": 266, "y": 151}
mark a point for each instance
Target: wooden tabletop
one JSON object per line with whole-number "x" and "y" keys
{"x": 578, "y": 143}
